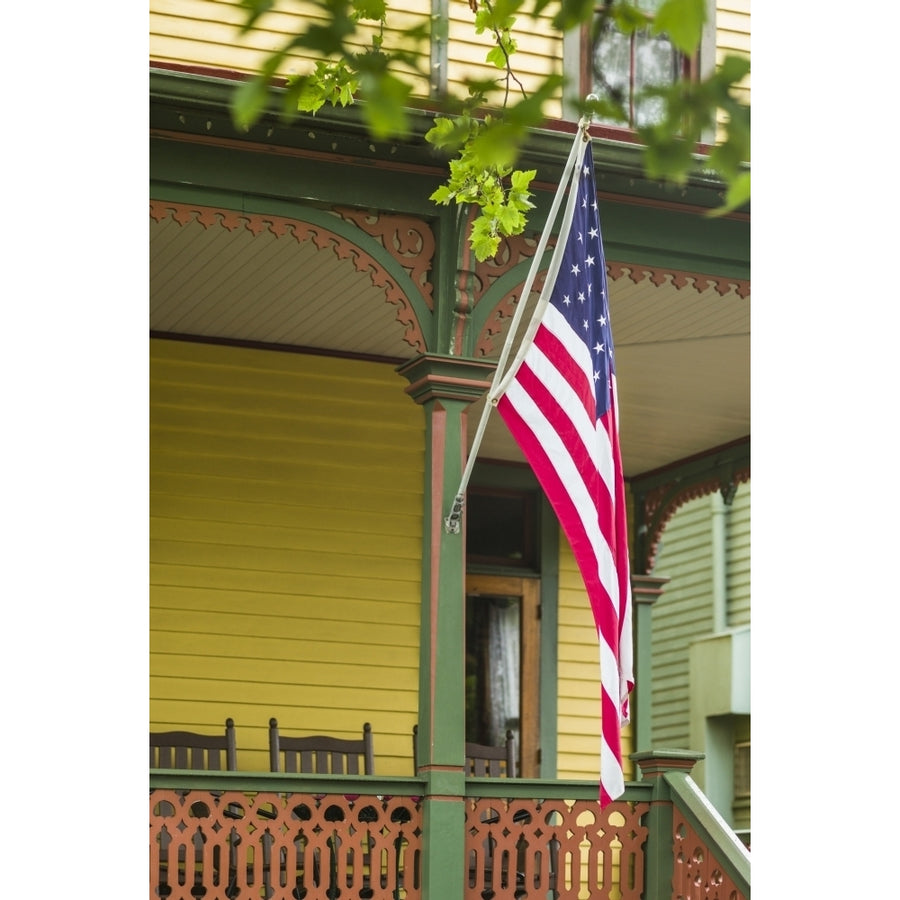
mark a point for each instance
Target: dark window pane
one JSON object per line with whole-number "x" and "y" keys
{"x": 500, "y": 528}
{"x": 493, "y": 665}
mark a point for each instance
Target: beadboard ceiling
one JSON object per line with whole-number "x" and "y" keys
{"x": 682, "y": 355}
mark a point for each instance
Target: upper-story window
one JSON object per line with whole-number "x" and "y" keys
{"x": 620, "y": 66}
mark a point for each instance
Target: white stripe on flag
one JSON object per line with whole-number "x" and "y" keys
{"x": 561, "y": 460}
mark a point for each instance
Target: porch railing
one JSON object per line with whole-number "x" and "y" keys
{"x": 226, "y": 835}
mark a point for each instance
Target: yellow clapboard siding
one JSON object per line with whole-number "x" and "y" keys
{"x": 331, "y": 442}
{"x": 262, "y": 559}
{"x": 283, "y": 585}
{"x": 275, "y": 389}
{"x": 268, "y": 695}
{"x": 578, "y": 679}
{"x": 204, "y": 32}
{"x": 321, "y": 585}
{"x": 302, "y": 538}
{"x": 166, "y": 645}
{"x": 274, "y": 424}
{"x": 347, "y": 512}
{"x": 296, "y": 671}
{"x": 358, "y": 476}
{"x": 732, "y": 31}
{"x": 204, "y": 486}
{"x": 277, "y": 578}
{"x": 539, "y": 53}
{"x": 576, "y": 670}
{"x": 313, "y": 627}
{"x": 380, "y": 606}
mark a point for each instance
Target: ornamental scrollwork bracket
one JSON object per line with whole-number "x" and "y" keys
{"x": 659, "y": 494}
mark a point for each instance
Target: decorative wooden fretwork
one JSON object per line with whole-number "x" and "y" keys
{"x": 554, "y": 848}
{"x": 409, "y": 240}
{"x": 677, "y": 278}
{"x": 697, "y": 875}
{"x": 488, "y": 272}
{"x": 323, "y": 238}
{"x": 721, "y": 469}
{"x": 283, "y": 846}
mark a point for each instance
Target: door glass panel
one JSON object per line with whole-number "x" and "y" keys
{"x": 493, "y": 668}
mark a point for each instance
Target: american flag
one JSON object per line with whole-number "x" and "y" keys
{"x": 561, "y": 408}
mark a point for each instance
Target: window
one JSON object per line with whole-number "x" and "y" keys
{"x": 620, "y": 66}
{"x": 501, "y": 528}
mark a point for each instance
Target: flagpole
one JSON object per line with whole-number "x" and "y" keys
{"x": 499, "y": 383}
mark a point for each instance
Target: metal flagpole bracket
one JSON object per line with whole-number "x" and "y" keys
{"x": 451, "y": 523}
{"x": 588, "y": 119}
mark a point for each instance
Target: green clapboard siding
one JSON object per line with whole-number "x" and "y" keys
{"x": 682, "y": 614}
{"x": 285, "y": 546}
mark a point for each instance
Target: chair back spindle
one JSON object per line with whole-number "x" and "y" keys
{"x": 320, "y": 753}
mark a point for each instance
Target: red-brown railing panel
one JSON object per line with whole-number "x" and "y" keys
{"x": 558, "y": 848}
{"x": 697, "y": 875}
{"x": 283, "y": 846}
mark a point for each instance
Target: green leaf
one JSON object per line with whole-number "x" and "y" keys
{"x": 682, "y": 21}
{"x": 737, "y": 195}
{"x": 509, "y": 220}
{"x": 571, "y": 13}
{"x": 521, "y": 180}
{"x": 385, "y": 108}
{"x": 250, "y": 97}
{"x": 733, "y": 69}
{"x": 449, "y": 134}
{"x": 248, "y": 102}
{"x": 669, "y": 158}
{"x": 370, "y": 9}
{"x": 443, "y": 195}
{"x": 484, "y": 239}
{"x": 628, "y": 18}
{"x": 497, "y": 57}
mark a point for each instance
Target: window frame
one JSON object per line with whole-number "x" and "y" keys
{"x": 579, "y": 71}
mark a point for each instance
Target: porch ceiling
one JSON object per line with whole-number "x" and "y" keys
{"x": 682, "y": 354}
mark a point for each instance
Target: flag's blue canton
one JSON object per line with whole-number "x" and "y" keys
{"x": 580, "y": 290}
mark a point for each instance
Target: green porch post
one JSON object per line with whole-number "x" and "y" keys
{"x": 444, "y": 386}
{"x": 645, "y": 590}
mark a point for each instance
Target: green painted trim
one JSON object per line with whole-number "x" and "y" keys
{"x": 564, "y": 789}
{"x": 711, "y": 828}
{"x": 197, "y": 104}
{"x": 643, "y": 670}
{"x": 549, "y": 687}
{"x": 325, "y": 177}
{"x": 400, "y": 786}
{"x": 206, "y": 780}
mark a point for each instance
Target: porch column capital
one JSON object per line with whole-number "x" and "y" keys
{"x": 647, "y": 588}
{"x": 435, "y": 377}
